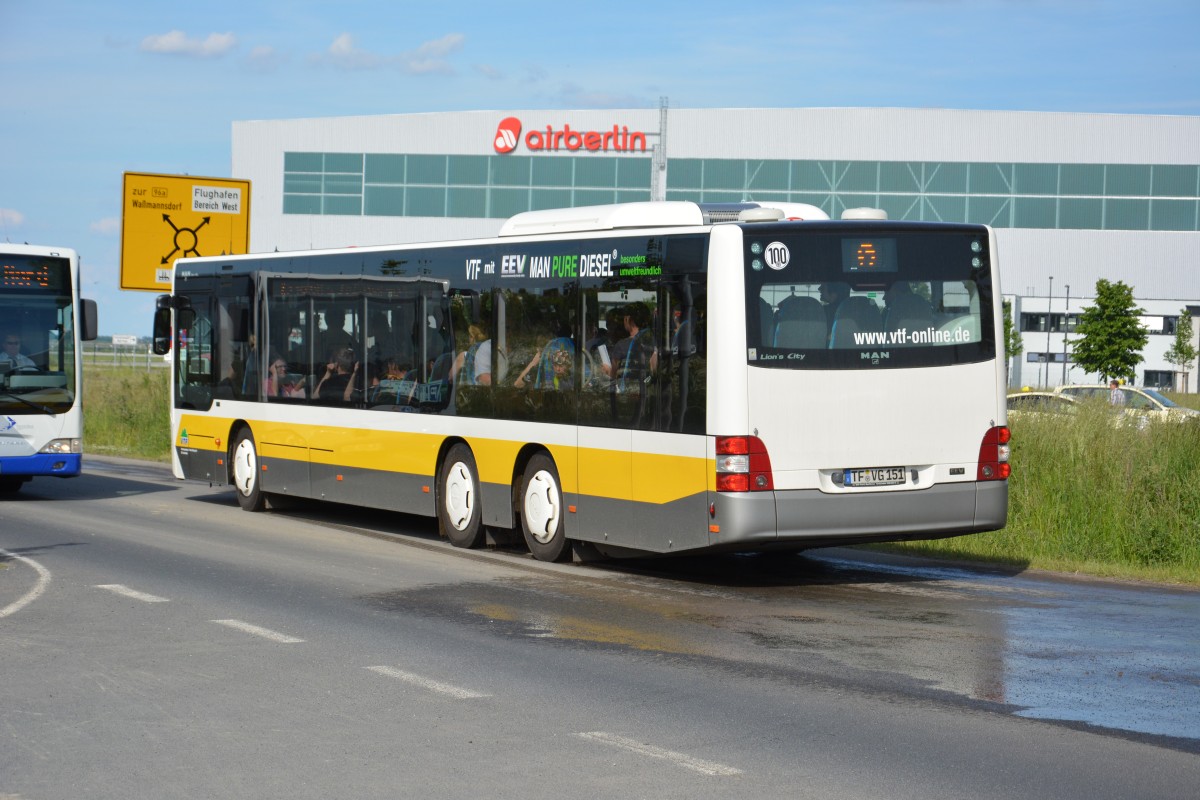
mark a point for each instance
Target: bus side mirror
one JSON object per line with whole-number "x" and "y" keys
{"x": 87, "y": 320}
{"x": 162, "y": 325}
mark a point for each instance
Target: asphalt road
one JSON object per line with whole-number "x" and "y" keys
{"x": 156, "y": 641}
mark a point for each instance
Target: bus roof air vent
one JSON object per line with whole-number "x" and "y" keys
{"x": 759, "y": 211}
{"x": 661, "y": 214}
{"x": 864, "y": 213}
{"x": 671, "y": 213}
{"x": 761, "y": 215}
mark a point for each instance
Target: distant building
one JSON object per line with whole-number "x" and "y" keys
{"x": 1076, "y": 197}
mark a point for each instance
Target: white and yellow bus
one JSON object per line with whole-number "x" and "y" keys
{"x": 644, "y": 378}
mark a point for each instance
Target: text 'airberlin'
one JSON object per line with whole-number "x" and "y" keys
{"x": 620, "y": 138}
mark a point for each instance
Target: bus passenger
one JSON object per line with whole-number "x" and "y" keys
{"x": 474, "y": 363}
{"x": 601, "y": 348}
{"x": 638, "y": 355}
{"x": 561, "y": 368}
{"x": 833, "y": 294}
{"x": 554, "y": 363}
{"x": 338, "y": 381}
{"x": 279, "y": 382}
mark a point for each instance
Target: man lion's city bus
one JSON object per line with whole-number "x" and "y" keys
{"x": 43, "y": 322}
{"x": 644, "y": 378}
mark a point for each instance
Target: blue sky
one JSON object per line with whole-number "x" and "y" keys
{"x": 93, "y": 90}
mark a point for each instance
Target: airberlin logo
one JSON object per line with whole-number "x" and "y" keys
{"x": 508, "y": 134}
{"x": 619, "y": 139}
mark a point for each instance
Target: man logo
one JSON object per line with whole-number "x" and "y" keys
{"x": 876, "y": 357}
{"x": 507, "y": 135}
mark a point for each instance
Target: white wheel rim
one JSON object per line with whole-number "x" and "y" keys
{"x": 459, "y": 496}
{"x": 245, "y": 467}
{"x": 542, "y": 506}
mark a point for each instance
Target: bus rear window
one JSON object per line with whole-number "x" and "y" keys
{"x": 899, "y": 299}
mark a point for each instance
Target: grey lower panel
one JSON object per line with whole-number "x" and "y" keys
{"x": 203, "y": 465}
{"x": 668, "y": 528}
{"x": 395, "y": 491}
{"x": 286, "y": 476}
{"x": 754, "y": 520}
{"x": 814, "y": 519}
{"x": 991, "y": 510}
{"x": 497, "y": 505}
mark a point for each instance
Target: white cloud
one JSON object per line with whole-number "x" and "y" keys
{"x": 535, "y": 73}
{"x": 10, "y": 217}
{"x": 106, "y": 226}
{"x": 578, "y": 97}
{"x": 265, "y": 58}
{"x": 489, "y": 72}
{"x": 344, "y": 55}
{"x": 179, "y": 43}
{"x": 429, "y": 58}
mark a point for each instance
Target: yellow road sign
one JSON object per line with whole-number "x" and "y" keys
{"x": 165, "y": 217}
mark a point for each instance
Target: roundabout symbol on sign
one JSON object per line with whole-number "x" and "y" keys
{"x": 186, "y": 239}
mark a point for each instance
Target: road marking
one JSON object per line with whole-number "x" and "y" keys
{"x": 32, "y": 594}
{"x": 679, "y": 759}
{"x": 428, "y": 683}
{"x": 125, "y": 591}
{"x": 265, "y": 633}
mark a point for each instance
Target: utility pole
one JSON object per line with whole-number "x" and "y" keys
{"x": 658, "y": 164}
{"x": 1066, "y": 327}
{"x": 1049, "y": 297}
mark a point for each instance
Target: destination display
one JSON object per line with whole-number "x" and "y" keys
{"x": 34, "y": 274}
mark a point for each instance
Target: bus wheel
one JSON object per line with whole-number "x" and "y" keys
{"x": 244, "y": 468}
{"x": 10, "y": 484}
{"x": 542, "y": 511}
{"x": 460, "y": 516}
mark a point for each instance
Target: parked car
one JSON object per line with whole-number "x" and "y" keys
{"x": 1029, "y": 402}
{"x": 1145, "y": 403}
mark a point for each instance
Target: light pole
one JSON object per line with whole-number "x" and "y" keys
{"x": 1066, "y": 327}
{"x": 1047, "y": 358}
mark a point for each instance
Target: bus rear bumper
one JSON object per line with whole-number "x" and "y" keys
{"x": 65, "y": 465}
{"x": 811, "y": 518}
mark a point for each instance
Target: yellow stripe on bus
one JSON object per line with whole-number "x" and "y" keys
{"x": 613, "y": 474}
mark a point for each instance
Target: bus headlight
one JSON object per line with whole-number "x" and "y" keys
{"x": 63, "y": 446}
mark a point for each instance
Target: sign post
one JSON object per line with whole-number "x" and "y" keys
{"x": 165, "y": 217}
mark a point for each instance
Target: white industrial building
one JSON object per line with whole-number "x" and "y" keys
{"x": 1073, "y": 197}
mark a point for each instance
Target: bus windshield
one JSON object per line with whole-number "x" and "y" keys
{"x": 37, "y": 360}
{"x": 858, "y": 297}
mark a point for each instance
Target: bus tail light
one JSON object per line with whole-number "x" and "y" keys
{"x": 993, "y": 455}
{"x": 743, "y": 465}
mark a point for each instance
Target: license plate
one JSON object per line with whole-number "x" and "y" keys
{"x": 875, "y": 476}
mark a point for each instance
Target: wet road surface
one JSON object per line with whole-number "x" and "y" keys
{"x": 1118, "y": 659}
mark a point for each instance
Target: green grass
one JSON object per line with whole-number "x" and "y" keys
{"x": 1093, "y": 497}
{"x": 126, "y": 412}
{"x": 1086, "y": 495}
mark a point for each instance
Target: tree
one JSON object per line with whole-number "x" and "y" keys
{"x": 1109, "y": 336}
{"x": 1013, "y": 345}
{"x": 1182, "y": 352}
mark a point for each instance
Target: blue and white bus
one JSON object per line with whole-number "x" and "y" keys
{"x": 42, "y": 321}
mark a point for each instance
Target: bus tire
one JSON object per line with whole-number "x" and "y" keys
{"x": 459, "y": 513}
{"x": 542, "y": 510}
{"x": 11, "y": 485}
{"x": 244, "y": 472}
